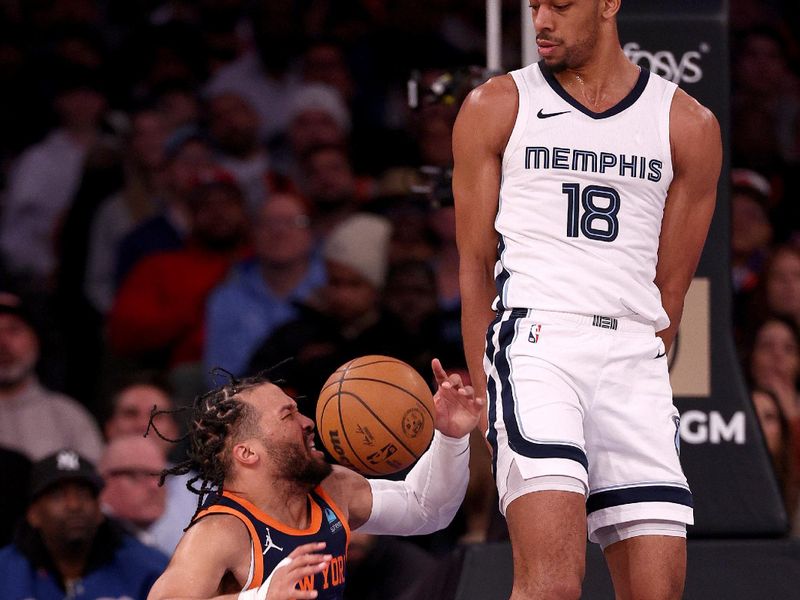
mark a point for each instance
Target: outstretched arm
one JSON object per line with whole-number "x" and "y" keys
{"x": 428, "y": 498}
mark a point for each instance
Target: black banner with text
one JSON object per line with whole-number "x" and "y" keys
{"x": 722, "y": 450}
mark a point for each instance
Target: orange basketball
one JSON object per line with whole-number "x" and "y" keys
{"x": 375, "y": 415}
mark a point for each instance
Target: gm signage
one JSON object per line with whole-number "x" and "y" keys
{"x": 698, "y": 427}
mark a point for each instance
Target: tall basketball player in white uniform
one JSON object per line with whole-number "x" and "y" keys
{"x": 584, "y": 190}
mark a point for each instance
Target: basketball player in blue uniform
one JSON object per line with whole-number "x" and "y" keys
{"x": 584, "y": 191}
{"x": 278, "y": 524}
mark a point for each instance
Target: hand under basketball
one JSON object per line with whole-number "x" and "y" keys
{"x": 457, "y": 408}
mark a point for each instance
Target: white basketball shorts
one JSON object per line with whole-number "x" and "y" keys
{"x": 586, "y": 397}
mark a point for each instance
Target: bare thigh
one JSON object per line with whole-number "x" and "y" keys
{"x": 648, "y": 567}
{"x": 548, "y": 541}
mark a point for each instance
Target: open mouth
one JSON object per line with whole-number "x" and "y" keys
{"x": 312, "y": 448}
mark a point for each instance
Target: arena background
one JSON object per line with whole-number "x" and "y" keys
{"x": 739, "y": 547}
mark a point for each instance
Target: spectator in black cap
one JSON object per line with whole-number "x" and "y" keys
{"x": 66, "y": 547}
{"x": 33, "y": 419}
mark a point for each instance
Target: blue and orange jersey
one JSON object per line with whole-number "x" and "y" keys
{"x": 272, "y": 541}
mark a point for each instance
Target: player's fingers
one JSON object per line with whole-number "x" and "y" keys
{"x": 304, "y": 595}
{"x": 306, "y": 549}
{"x": 307, "y": 559}
{"x": 455, "y": 380}
{"x": 470, "y": 401}
{"x": 447, "y": 394}
{"x": 299, "y": 574}
{"x": 478, "y": 405}
{"x": 438, "y": 371}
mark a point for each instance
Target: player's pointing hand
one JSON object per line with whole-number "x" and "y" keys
{"x": 457, "y": 408}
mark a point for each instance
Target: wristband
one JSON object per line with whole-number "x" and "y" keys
{"x": 260, "y": 593}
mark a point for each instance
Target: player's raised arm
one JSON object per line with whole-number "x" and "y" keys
{"x": 480, "y": 135}
{"x": 697, "y": 158}
{"x": 428, "y": 498}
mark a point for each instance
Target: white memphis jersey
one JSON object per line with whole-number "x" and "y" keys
{"x": 581, "y": 201}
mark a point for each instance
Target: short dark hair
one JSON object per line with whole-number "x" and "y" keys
{"x": 154, "y": 379}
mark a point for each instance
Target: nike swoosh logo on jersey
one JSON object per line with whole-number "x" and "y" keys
{"x": 543, "y": 115}
{"x": 660, "y": 354}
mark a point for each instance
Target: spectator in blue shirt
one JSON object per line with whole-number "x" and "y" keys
{"x": 261, "y": 293}
{"x": 67, "y": 548}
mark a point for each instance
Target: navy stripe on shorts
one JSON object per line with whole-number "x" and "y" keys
{"x": 646, "y": 493}
{"x": 516, "y": 441}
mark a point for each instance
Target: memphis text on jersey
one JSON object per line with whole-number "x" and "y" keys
{"x": 587, "y": 161}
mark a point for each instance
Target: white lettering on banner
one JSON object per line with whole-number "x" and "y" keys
{"x": 698, "y": 427}
{"x": 666, "y": 63}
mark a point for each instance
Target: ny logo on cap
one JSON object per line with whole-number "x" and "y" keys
{"x": 67, "y": 460}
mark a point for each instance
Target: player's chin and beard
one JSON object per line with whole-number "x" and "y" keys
{"x": 302, "y": 468}
{"x": 77, "y": 540}
{"x": 575, "y": 55}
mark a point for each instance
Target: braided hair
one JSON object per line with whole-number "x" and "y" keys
{"x": 217, "y": 416}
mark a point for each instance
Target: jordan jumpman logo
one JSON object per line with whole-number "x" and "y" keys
{"x": 269, "y": 544}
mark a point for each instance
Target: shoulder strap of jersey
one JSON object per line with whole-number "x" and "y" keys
{"x": 326, "y": 499}
{"x": 521, "y": 78}
{"x": 256, "y": 575}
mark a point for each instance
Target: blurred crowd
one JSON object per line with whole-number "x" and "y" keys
{"x": 765, "y": 225}
{"x": 190, "y": 184}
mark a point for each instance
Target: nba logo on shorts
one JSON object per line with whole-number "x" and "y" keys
{"x": 533, "y": 336}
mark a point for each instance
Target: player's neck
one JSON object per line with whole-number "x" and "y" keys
{"x": 605, "y": 79}
{"x": 284, "y": 501}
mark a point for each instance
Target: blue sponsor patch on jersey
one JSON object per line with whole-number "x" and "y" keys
{"x": 333, "y": 520}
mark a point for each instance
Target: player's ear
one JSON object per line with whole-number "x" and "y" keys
{"x": 245, "y": 453}
{"x": 609, "y": 8}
